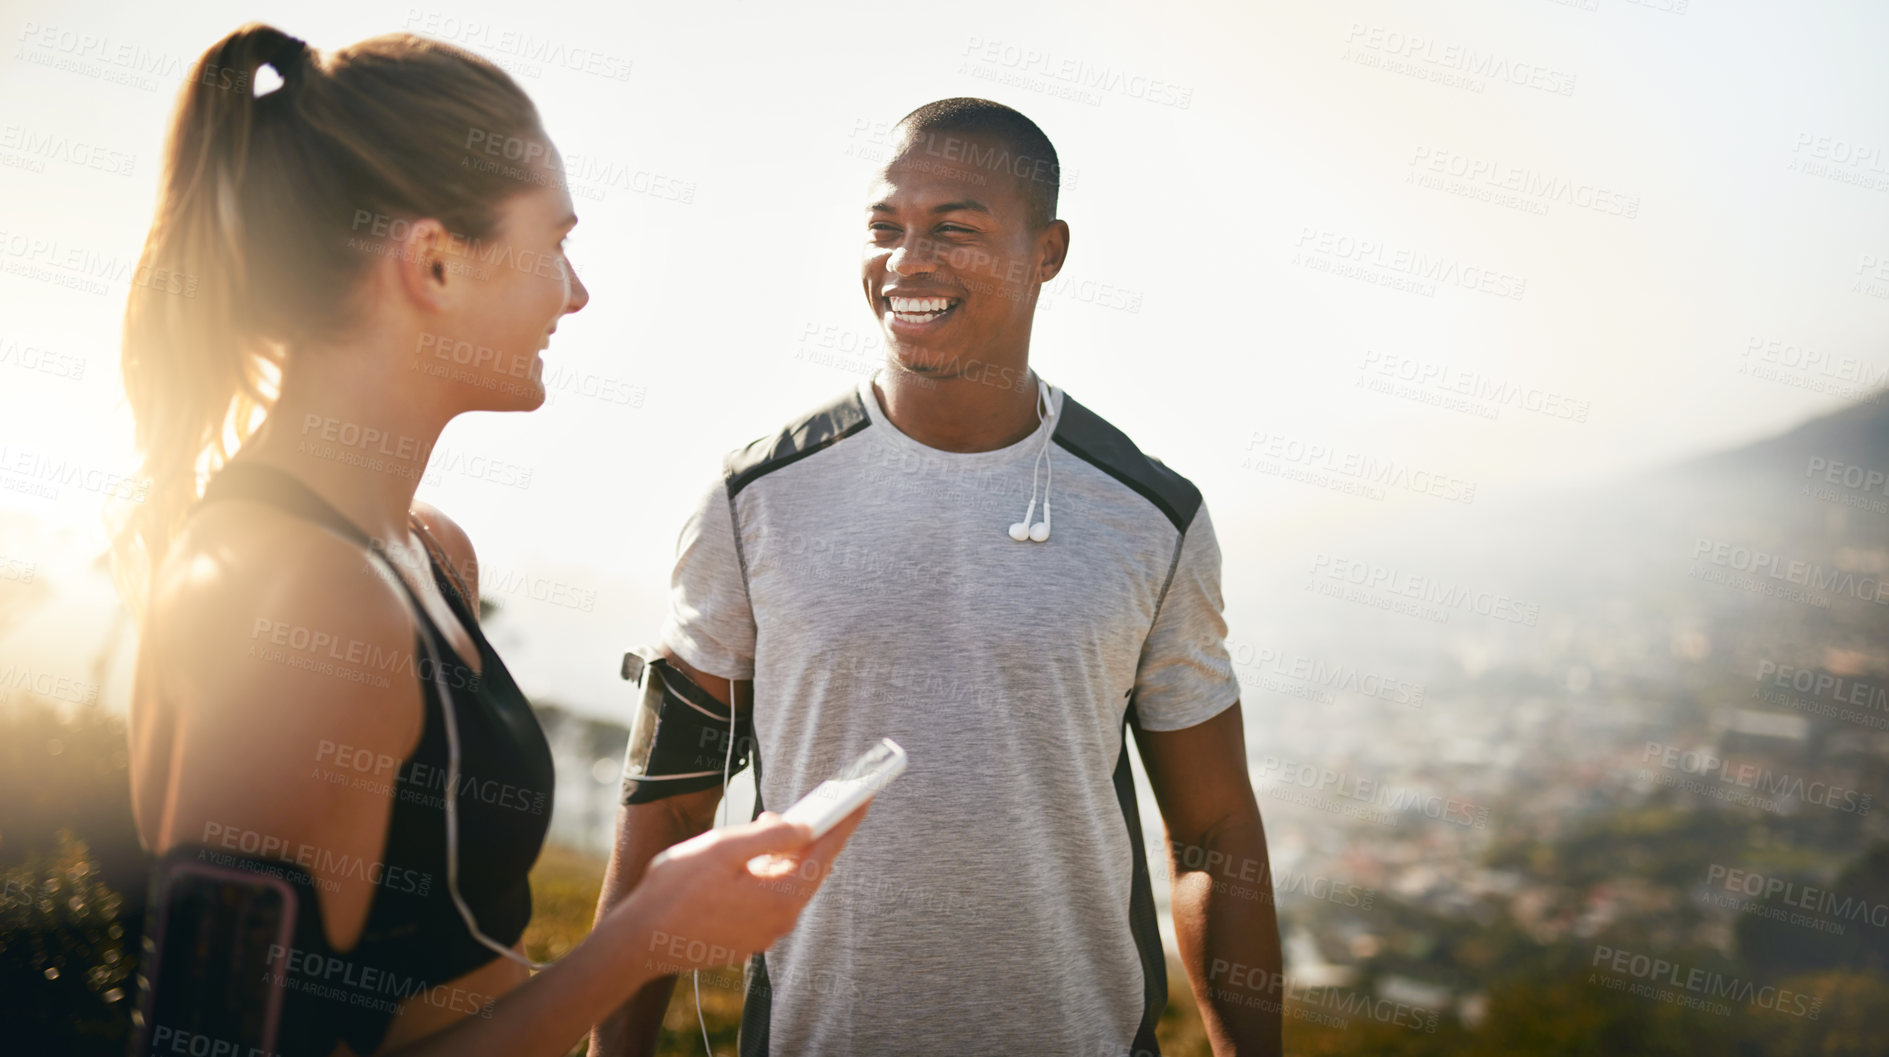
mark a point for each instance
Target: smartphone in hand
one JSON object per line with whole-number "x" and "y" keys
{"x": 841, "y": 795}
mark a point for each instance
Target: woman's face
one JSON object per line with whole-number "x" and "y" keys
{"x": 517, "y": 285}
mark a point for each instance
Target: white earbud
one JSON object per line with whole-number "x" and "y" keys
{"x": 1025, "y": 529}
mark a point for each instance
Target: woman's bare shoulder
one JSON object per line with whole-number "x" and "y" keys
{"x": 280, "y": 657}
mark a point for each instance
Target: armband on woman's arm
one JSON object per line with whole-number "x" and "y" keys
{"x": 232, "y": 944}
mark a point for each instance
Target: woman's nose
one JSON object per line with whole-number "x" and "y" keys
{"x": 580, "y": 294}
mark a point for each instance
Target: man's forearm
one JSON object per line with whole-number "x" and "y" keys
{"x": 1227, "y": 929}
{"x": 633, "y": 1029}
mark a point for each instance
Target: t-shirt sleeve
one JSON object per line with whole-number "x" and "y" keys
{"x": 710, "y": 622}
{"x": 1185, "y": 675}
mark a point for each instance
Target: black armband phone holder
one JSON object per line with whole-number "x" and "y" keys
{"x": 227, "y": 947}
{"x": 679, "y": 736}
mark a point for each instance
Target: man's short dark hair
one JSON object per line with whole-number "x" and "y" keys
{"x": 1026, "y": 153}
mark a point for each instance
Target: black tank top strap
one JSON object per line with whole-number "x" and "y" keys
{"x": 286, "y": 492}
{"x": 451, "y": 586}
{"x": 278, "y": 488}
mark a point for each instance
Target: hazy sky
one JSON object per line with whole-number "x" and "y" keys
{"x": 1271, "y": 203}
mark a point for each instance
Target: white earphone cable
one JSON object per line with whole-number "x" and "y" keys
{"x": 452, "y": 769}
{"x": 721, "y": 813}
{"x": 1025, "y": 530}
{"x": 452, "y": 797}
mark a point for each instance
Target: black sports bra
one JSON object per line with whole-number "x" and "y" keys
{"x": 415, "y": 942}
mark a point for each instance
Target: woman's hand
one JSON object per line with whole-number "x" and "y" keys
{"x": 706, "y": 904}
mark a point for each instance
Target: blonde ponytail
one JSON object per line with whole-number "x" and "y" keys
{"x": 256, "y": 235}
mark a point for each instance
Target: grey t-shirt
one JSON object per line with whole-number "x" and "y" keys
{"x": 995, "y": 898}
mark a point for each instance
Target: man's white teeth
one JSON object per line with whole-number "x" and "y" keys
{"x": 906, "y": 306}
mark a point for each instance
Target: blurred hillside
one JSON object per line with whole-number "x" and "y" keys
{"x": 1681, "y": 755}
{"x": 1623, "y": 797}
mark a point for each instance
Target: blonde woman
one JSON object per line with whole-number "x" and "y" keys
{"x": 371, "y": 249}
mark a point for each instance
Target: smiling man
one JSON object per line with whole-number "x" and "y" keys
{"x": 862, "y": 574}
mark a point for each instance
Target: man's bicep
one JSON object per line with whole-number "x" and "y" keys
{"x": 710, "y": 624}
{"x": 1184, "y": 675}
{"x": 738, "y": 692}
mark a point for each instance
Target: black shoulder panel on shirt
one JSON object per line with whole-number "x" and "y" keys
{"x": 821, "y": 428}
{"x": 1088, "y": 437}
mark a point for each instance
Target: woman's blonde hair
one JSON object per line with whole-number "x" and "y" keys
{"x": 269, "y": 210}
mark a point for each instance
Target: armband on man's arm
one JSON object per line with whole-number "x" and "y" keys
{"x": 679, "y": 736}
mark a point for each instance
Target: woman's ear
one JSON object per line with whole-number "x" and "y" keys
{"x": 420, "y": 261}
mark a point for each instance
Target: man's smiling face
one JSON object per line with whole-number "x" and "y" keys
{"x": 952, "y": 263}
